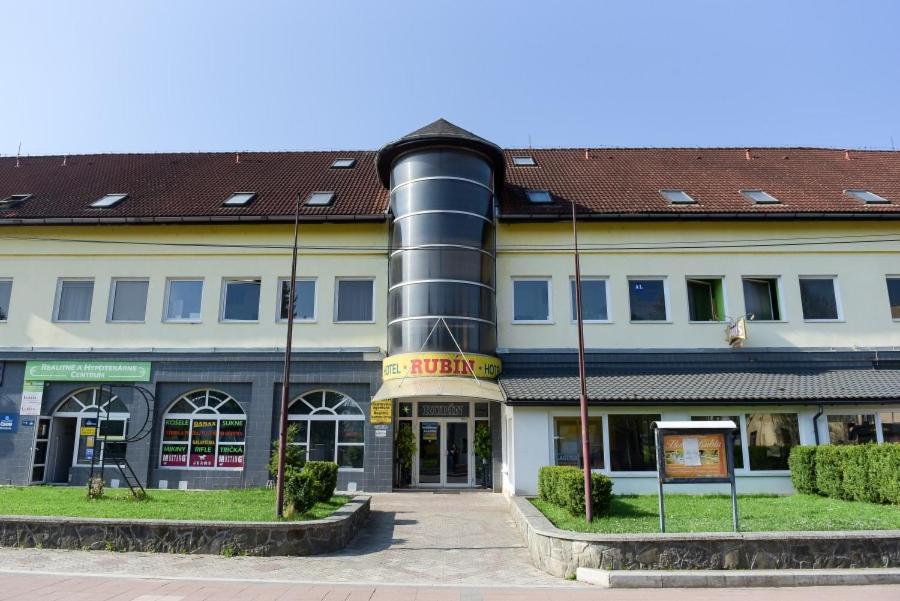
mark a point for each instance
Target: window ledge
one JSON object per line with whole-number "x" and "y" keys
{"x": 713, "y": 323}
{"x": 284, "y": 321}
{"x": 351, "y": 322}
{"x": 356, "y": 470}
{"x": 650, "y": 321}
{"x": 755, "y": 321}
{"x": 593, "y": 322}
{"x": 126, "y": 321}
{"x": 239, "y": 321}
{"x": 531, "y": 322}
{"x": 182, "y": 321}
{"x": 71, "y": 321}
{"x": 824, "y": 321}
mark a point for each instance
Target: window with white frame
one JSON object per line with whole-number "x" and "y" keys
{"x": 73, "y": 300}
{"x": 819, "y": 298}
{"x": 890, "y": 426}
{"x": 5, "y": 296}
{"x": 852, "y": 428}
{"x": 183, "y": 300}
{"x": 354, "y": 300}
{"x": 531, "y": 300}
{"x": 204, "y": 429}
{"x": 330, "y": 427}
{"x": 567, "y": 441}
{"x": 87, "y": 406}
{"x": 649, "y": 299}
{"x": 240, "y": 299}
{"x": 770, "y": 438}
{"x": 761, "y": 298}
{"x": 632, "y": 442}
{"x": 706, "y": 299}
{"x": 893, "y": 287}
{"x": 594, "y": 299}
{"x": 128, "y": 300}
{"x": 304, "y": 299}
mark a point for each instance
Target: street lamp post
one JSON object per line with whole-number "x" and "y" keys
{"x": 582, "y": 379}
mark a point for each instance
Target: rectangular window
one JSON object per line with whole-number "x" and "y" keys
{"x": 818, "y": 296}
{"x": 531, "y": 300}
{"x": 648, "y": 299}
{"x": 761, "y": 299}
{"x": 851, "y": 429}
{"x": 594, "y": 305}
{"x": 240, "y": 300}
{"x": 354, "y": 300}
{"x": 890, "y": 426}
{"x": 567, "y": 441}
{"x": 738, "y": 452}
{"x": 73, "y": 300}
{"x": 5, "y": 296}
{"x": 128, "y": 300}
{"x": 706, "y": 299}
{"x": 893, "y": 286}
{"x": 632, "y": 443}
{"x": 206, "y": 443}
{"x": 770, "y": 437}
{"x": 183, "y": 300}
{"x": 304, "y": 300}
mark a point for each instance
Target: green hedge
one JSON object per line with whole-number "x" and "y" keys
{"x": 564, "y": 486}
{"x": 869, "y": 472}
{"x": 312, "y": 483}
{"x": 325, "y": 475}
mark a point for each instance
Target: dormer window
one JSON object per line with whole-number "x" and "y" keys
{"x": 524, "y": 161}
{"x": 677, "y": 197}
{"x": 13, "y": 200}
{"x": 239, "y": 199}
{"x": 867, "y": 196}
{"x": 760, "y": 197}
{"x": 343, "y": 164}
{"x": 539, "y": 196}
{"x": 320, "y": 199}
{"x": 110, "y": 200}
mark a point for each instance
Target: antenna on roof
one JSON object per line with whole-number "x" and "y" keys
{"x": 892, "y": 143}
{"x": 65, "y": 156}
{"x": 237, "y": 158}
{"x": 18, "y": 152}
{"x": 529, "y": 141}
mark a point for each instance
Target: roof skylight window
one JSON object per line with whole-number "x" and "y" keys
{"x": 677, "y": 197}
{"x": 524, "y": 161}
{"x": 13, "y": 200}
{"x": 539, "y": 196}
{"x": 320, "y": 199}
{"x": 760, "y": 197}
{"x": 343, "y": 164}
{"x": 110, "y": 200}
{"x": 867, "y": 196}
{"x": 239, "y": 199}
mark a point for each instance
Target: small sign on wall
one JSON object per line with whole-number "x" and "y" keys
{"x": 9, "y": 423}
{"x": 381, "y": 412}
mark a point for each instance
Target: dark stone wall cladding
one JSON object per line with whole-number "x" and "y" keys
{"x": 560, "y": 552}
{"x": 247, "y": 538}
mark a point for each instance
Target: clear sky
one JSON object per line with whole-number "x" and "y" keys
{"x": 187, "y": 75}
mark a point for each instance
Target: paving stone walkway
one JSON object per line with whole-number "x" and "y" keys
{"x": 421, "y": 538}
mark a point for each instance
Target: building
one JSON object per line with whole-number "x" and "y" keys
{"x": 148, "y": 292}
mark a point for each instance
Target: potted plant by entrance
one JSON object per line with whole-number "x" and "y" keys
{"x": 482, "y": 444}
{"x": 405, "y": 448}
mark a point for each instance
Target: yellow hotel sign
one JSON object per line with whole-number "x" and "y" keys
{"x": 380, "y": 412}
{"x": 420, "y": 365}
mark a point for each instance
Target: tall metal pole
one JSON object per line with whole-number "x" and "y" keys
{"x": 582, "y": 378}
{"x": 286, "y": 376}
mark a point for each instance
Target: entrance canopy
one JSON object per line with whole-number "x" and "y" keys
{"x": 439, "y": 387}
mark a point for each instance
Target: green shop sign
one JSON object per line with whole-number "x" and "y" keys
{"x": 87, "y": 371}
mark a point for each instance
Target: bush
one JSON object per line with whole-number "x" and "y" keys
{"x": 324, "y": 477}
{"x": 299, "y": 490}
{"x": 857, "y": 484}
{"x": 830, "y": 463}
{"x": 884, "y": 472}
{"x": 802, "y": 462}
{"x": 294, "y": 456}
{"x": 564, "y": 486}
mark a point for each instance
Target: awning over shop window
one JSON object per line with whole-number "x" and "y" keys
{"x": 439, "y": 387}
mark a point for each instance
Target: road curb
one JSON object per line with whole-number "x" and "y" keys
{"x": 735, "y": 578}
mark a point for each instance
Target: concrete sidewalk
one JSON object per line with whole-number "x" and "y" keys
{"x": 621, "y": 579}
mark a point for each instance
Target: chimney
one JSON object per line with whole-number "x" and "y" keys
{"x": 587, "y": 154}
{"x": 64, "y": 160}
{"x": 847, "y": 155}
{"x": 747, "y": 154}
{"x": 237, "y": 158}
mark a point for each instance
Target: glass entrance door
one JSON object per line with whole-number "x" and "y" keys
{"x": 457, "y": 453}
{"x": 430, "y": 452}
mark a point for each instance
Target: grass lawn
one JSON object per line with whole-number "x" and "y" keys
{"x": 712, "y": 513}
{"x": 251, "y": 504}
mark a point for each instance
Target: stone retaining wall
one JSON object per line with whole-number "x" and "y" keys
{"x": 171, "y": 536}
{"x": 560, "y": 552}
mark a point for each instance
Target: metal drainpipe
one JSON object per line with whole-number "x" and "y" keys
{"x": 816, "y": 423}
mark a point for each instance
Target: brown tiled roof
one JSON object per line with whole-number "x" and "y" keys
{"x": 608, "y": 183}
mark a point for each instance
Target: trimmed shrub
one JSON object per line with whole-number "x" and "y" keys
{"x": 884, "y": 472}
{"x": 857, "y": 484}
{"x": 294, "y": 456}
{"x": 802, "y": 462}
{"x": 299, "y": 489}
{"x": 324, "y": 476}
{"x": 564, "y": 486}
{"x": 830, "y": 463}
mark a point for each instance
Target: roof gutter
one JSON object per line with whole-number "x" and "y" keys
{"x": 199, "y": 219}
{"x": 547, "y": 217}
{"x": 692, "y": 402}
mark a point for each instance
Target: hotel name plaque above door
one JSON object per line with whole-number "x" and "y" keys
{"x": 443, "y": 410}
{"x": 428, "y": 365}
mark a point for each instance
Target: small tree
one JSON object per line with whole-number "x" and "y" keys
{"x": 294, "y": 456}
{"x": 483, "y": 449}
{"x": 405, "y": 446}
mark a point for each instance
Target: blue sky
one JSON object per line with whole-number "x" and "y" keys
{"x": 162, "y": 75}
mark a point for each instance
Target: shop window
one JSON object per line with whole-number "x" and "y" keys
{"x": 204, "y": 429}
{"x": 818, "y": 296}
{"x": 706, "y": 299}
{"x": 240, "y": 300}
{"x": 567, "y": 441}
{"x": 890, "y": 426}
{"x": 183, "y": 300}
{"x": 648, "y": 299}
{"x": 91, "y": 410}
{"x": 128, "y": 300}
{"x": 893, "y": 286}
{"x": 331, "y": 428}
{"x": 531, "y": 300}
{"x": 632, "y": 443}
{"x": 5, "y": 295}
{"x": 770, "y": 437}
{"x": 851, "y": 429}
{"x": 761, "y": 299}
{"x": 304, "y": 300}
{"x": 738, "y": 451}
{"x": 354, "y": 300}
{"x": 594, "y": 305}
{"x": 73, "y": 300}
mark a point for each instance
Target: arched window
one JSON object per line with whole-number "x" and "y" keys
{"x": 82, "y": 405}
{"x": 204, "y": 429}
{"x": 331, "y": 428}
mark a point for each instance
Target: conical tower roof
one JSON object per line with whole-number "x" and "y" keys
{"x": 438, "y": 133}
